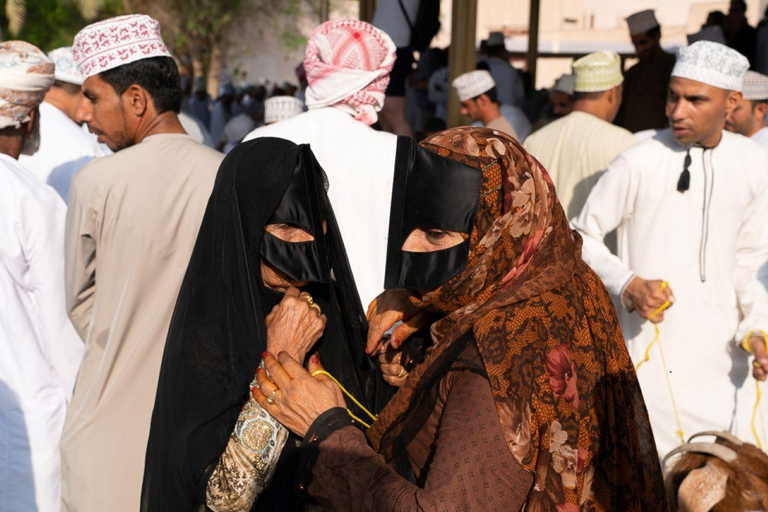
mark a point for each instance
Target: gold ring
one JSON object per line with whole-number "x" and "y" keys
{"x": 757, "y": 364}
{"x": 316, "y": 308}
{"x": 271, "y": 397}
{"x": 309, "y": 299}
{"x": 402, "y": 373}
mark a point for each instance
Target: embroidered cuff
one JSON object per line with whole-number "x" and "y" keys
{"x": 325, "y": 425}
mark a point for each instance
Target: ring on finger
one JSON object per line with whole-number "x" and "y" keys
{"x": 307, "y": 297}
{"x": 756, "y": 364}
{"x": 271, "y": 397}
{"x": 402, "y": 373}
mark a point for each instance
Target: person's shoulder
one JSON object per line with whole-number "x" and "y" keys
{"x": 17, "y": 178}
{"x": 744, "y": 151}
{"x": 548, "y": 129}
{"x": 663, "y": 143}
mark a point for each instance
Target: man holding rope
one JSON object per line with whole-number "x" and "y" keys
{"x": 690, "y": 206}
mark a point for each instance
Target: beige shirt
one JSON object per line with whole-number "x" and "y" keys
{"x": 502, "y": 125}
{"x": 576, "y": 150}
{"x": 132, "y": 223}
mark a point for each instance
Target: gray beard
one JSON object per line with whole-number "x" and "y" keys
{"x": 32, "y": 142}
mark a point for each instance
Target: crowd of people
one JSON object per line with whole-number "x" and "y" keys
{"x": 280, "y": 300}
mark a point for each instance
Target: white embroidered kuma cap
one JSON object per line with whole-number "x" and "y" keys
{"x": 641, "y": 22}
{"x": 117, "y": 41}
{"x": 755, "y": 86}
{"x": 280, "y": 108}
{"x": 713, "y": 64}
{"x": 565, "y": 84}
{"x": 66, "y": 68}
{"x": 473, "y": 84}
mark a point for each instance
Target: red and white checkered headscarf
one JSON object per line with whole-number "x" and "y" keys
{"x": 347, "y": 64}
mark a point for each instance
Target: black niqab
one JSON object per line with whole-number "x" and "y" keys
{"x": 217, "y": 332}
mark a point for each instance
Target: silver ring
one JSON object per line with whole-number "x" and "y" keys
{"x": 271, "y": 397}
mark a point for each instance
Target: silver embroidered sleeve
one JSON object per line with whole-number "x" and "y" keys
{"x": 246, "y": 467}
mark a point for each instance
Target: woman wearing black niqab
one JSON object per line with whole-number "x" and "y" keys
{"x": 210, "y": 443}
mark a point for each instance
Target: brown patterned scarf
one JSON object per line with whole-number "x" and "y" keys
{"x": 565, "y": 389}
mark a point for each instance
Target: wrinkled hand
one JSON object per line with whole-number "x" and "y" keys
{"x": 760, "y": 363}
{"x": 294, "y": 326}
{"x": 392, "y": 370}
{"x": 647, "y": 297}
{"x": 298, "y": 397}
{"x": 385, "y": 311}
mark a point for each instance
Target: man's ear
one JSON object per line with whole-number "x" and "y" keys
{"x": 732, "y": 101}
{"x": 136, "y": 100}
{"x": 34, "y": 118}
{"x": 760, "y": 110}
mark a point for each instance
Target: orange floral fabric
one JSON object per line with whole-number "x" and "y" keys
{"x": 565, "y": 389}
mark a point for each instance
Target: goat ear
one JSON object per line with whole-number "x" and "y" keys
{"x": 703, "y": 488}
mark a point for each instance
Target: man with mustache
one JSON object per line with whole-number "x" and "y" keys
{"x": 690, "y": 206}
{"x": 748, "y": 118}
{"x": 132, "y": 222}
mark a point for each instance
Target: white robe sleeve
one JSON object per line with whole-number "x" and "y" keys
{"x": 80, "y": 260}
{"x": 608, "y": 206}
{"x": 751, "y": 273}
{"x": 43, "y": 243}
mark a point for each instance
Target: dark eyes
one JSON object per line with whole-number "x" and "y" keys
{"x": 436, "y": 235}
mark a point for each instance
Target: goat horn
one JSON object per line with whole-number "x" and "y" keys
{"x": 721, "y": 452}
{"x": 722, "y": 434}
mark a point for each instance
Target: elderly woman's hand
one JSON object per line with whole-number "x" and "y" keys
{"x": 385, "y": 311}
{"x": 294, "y": 325}
{"x": 296, "y": 398}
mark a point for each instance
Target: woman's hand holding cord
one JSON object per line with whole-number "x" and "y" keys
{"x": 292, "y": 395}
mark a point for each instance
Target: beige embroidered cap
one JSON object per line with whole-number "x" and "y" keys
{"x": 599, "y": 71}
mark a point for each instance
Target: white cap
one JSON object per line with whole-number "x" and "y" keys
{"x": 280, "y": 108}
{"x": 473, "y": 84}
{"x": 495, "y": 39}
{"x": 713, "y": 64}
{"x": 117, "y": 41}
{"x": 713, "y": 33}
{"x": 565, "y": 84}
{"x": 597, "y": 72}
{"x": 641, "y": 22}
{"x": 755, "y": 86}
{"x": 66, "y": 68}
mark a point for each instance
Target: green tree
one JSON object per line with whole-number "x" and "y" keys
{"x": 50, "y": 24}
{"x": 198, "y": 31}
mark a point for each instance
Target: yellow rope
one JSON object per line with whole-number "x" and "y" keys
{"x": 657, "y": 341}
{"x": 344, "y": 390}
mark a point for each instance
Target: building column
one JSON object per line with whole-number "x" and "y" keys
{"x": 463, "y": 56}
{"x": 367, "y": 8}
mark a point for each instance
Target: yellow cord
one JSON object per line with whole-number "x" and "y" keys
{"x": 344, "y": 390}
{"x": 647, "y": 357}
{"x": 756, "y": 409}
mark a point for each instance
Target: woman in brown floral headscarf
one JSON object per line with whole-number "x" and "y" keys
{"x": 531, "y": 322}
